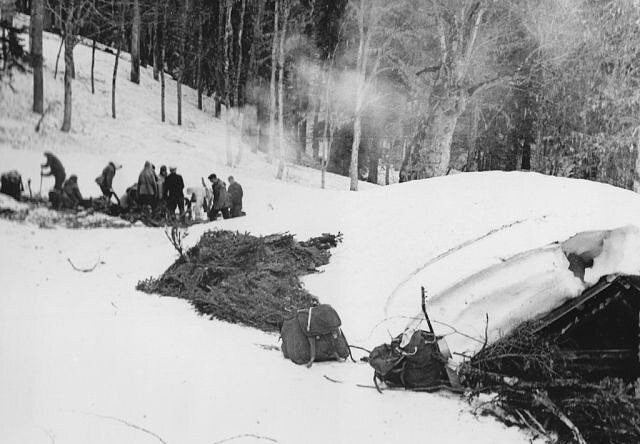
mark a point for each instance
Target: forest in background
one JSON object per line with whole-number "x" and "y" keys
{"x": 367, "y": 87}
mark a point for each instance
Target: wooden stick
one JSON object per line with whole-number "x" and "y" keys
{"x": 544, "y": 401}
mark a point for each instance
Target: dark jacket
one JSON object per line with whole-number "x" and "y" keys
{"x": 235, "y": 194}
{"x": 147, "y": 185}
{"x": 55, "y": 166}
{"x": 173, "y": 186}
{"x": 220, "y": 198}
{"x": 71, "y": 196}
{"x": 105, "y": 180}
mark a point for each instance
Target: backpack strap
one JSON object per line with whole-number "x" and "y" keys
{"x": 312, "y": 352}
{"x": 348, "y": 346}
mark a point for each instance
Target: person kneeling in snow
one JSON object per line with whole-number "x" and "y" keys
{"x": 105, "y": 180}
{"x": 71, "y": 196}
{"x": 235, "y": 197}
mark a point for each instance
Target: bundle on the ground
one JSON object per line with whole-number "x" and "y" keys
{"x": 245, "y": 279}
{"x": 538, "y": 388}
{"x": 416, "y": 365}
{"x": 314, "y": 334}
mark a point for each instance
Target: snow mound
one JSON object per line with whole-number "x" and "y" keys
{"x": 9, "y": 205}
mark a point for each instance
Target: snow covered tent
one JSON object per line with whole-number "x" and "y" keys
{"x": 498, "y": 295}
{"x": 599, "y": 331}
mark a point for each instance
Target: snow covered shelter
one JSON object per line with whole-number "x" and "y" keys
{"x": 599, "y": 331}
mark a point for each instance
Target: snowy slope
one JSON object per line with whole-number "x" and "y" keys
{"x": 80, "y": 349}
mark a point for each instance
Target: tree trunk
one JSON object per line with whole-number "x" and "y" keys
{"x": 256, "y": 38}
{"x": 374, "y": 159}
{"x": 55, "y": 72}
{"x": 199, "y": 65}
{"x": 281, "y": 141}
{"x": 93, "y": 64}
{"x": 302, "y": 139}
{"x": 355, "y": 147}
{"x": 430, "y": 150}
{"x": 636, "y": 177}
{"x": 181, "y": 67}
{"x": 156, "y": 41}
{"x": 240, "y": 141}
{"x": 113, "y": 81}
{"x": 431, "y": 146}
{"x": 161, "y": 54}
{"x": 135, "y": 43}
{"x": 227, "y": 80}
{"x": 387, "y": 167}
{"x": 363, "y": 50}
{"x": 121, "y": 42}
{"x": 68, "y": 67}
{"x": 236, "y": 94}
{"x": 272, "y": 82}
{"x": 37, "y": 14}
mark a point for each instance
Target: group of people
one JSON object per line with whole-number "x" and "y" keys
{"x": 152, "y": 190}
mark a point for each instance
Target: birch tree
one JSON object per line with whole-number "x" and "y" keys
{"x": 286, "y": 7}
{"x": 272, "y": 81}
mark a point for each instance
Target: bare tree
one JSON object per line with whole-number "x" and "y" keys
{"x": 272, "y": 81}
{"x": 71, "y": 14}
{"x": 281, "y": 139}
{"x": 135, "y": 42}
{"x": 120, "y": 39}
{"x": 37, "y": 15}
{"x": 183, "y": 49}
{"x": 227, "y": 42}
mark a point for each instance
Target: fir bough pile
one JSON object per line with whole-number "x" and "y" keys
{"x": 536, "y": 387}
{"x": 245, "y": 279}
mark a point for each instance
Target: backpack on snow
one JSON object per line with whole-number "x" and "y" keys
{"x": 314, "y": 334}
{"x": 417, "y": 365}
{"x": 11, "y": 184}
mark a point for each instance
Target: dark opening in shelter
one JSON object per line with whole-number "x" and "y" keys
{"x": 599, "y": 331}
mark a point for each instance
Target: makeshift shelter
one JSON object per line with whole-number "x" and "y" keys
{"x": 599, "y": 331}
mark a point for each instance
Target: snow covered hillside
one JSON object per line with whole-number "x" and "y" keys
{"x": 84, "y": 357}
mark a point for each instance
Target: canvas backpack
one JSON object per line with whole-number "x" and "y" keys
{"x": 11, "y": 184}
{"x": 417, "y": 365}
{"x": 314, "y": 334}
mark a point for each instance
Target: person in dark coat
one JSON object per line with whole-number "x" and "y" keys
{"x": 235, "y": 197}
{"x": 105, "y": 180}
{"x": 173, "y": 195}
{"x": 55, "y": 169}
{"x": 71, "y": 196}
{"x": 147, "y": 186}
{"x": 220, "y": 198}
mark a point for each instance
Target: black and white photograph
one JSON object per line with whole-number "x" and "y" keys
{"x": 319, "y": 221}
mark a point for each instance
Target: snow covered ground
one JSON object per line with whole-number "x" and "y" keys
{"x": 84, "y": 357}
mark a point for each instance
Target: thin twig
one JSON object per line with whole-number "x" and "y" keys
{"x": 245, "y": 435}
{"x": 84, "y": 270}
{"x": 332, "y": 380}
{"x": 127, "y": 423}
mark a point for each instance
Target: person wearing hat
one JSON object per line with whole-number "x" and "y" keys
{"x": 105, "y": 180}
{"x": 173, "y": 195}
